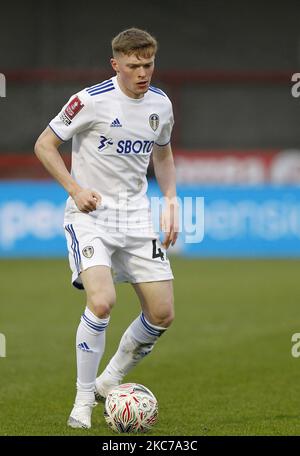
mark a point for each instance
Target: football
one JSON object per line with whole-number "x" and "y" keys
{"x": 130, "y": 407}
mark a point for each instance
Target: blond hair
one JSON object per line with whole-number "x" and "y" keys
{"x": 134, "y": 41}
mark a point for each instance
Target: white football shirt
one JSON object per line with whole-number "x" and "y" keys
{"x": 112, "y": 140}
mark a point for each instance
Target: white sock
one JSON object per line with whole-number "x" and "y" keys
{"x": 90, "y": 344}
{"x": 137, "y": 342}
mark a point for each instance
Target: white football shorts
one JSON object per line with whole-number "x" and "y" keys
{"x": 133, "y": 255}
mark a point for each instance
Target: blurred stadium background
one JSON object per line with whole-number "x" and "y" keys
{"x": 227, "y": 66}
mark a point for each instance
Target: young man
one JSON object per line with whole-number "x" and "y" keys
{"x": 115, "y": 126}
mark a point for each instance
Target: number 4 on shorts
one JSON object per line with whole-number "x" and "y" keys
{"x": 156, "y": 252}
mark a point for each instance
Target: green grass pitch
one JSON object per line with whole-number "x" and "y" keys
{"x": 223, "y": 368}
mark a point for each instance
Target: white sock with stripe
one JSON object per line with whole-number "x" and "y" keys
{"x": 90, "y": 344}
{"x": 137, "y": 342}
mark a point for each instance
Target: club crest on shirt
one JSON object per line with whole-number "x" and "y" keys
{"x": 154, "y": 121}
{"x": 88, "y": 251}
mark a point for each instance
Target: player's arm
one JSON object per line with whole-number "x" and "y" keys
{"x": 165, "y": 174}
{"x": 46, "y": 149}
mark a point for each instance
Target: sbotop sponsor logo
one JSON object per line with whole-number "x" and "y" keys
{"x": 295, "y": 90}
{"x": 2, "y": 346}
{"x": 2, "y": 86}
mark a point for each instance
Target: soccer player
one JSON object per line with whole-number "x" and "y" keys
{"x": 115, "y": 126}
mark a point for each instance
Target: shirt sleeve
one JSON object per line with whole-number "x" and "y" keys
{"x": 165, "y": 134}
{"x": 77, "y": 115}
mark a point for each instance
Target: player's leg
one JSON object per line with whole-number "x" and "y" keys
{"x": 157, "y": 301}
{"x": 90, "y": 340}
{"x": 157, "y": 314}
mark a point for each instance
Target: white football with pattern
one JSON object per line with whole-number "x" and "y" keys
{"x": 131, "y": 407}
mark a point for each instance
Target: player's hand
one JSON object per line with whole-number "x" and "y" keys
{"x": 87, "y": 200}
{"x": 170, "y": 222}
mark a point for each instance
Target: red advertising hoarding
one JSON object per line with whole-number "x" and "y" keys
{"x": 242, "y": 167}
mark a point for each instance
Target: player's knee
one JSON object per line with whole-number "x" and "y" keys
{"x": 168, "y": 319}
{"x": 101, "y": 305}
{"x": 101, "y": 309}
{"x": 163, "y": 316}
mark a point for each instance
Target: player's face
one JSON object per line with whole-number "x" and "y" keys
{"x": 134, "y": 73}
